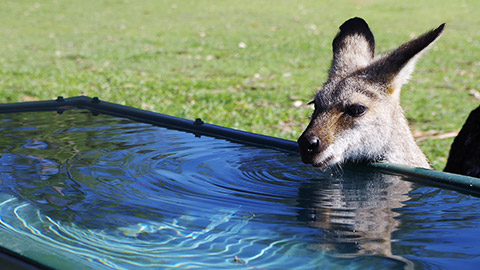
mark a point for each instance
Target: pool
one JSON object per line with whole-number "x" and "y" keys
{"x": 86, "y": 190}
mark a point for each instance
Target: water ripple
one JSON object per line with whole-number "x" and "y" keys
{"x": 108, "y": 193}
{"x": 132, "y": 246}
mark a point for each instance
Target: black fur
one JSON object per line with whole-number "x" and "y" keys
{"x": 389, "y": 66}
{"x": 464, "y": 157}
{"x": 354, "y": 26}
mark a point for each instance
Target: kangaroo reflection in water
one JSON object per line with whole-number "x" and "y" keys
{"x": 355, "y": 211}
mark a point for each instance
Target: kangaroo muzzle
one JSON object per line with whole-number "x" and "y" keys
{"x": 311, "y": 146}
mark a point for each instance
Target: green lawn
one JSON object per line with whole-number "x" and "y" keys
{"x": 242, "y": 64}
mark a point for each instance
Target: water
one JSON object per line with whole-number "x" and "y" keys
{"x": 79, "y": 191}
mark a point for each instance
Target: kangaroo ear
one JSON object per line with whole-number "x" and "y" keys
{"x": 353, "y": 47}
{"x": 394, "y": 69}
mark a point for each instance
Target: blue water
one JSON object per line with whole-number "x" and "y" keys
{"x": 79, "y": 191}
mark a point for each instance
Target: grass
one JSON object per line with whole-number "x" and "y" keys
{"x": 242, "y": 64}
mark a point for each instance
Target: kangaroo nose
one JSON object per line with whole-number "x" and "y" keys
{"x": 310, "y": 144}
{"x": 314, "y": 144}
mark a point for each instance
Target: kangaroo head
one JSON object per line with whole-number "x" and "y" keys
{"x": 357, "y": 114}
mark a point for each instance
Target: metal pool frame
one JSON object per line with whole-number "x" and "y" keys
{"x": 464, "y": 184}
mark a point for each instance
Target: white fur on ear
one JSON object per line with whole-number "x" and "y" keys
{"x": 353, "y": 47}
{"x": 402, "y": 77}
{"x": 395, "y": 68}
{"x": 405, "y": 73}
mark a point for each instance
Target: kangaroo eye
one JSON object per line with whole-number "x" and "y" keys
{"x": 356, "y": 110}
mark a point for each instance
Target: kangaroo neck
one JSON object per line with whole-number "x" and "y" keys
{"x": 402, "y": 148}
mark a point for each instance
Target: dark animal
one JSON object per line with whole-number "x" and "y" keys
{"x": 464, "y": 157}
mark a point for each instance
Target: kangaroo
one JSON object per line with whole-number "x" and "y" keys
{"x": 357, "y": 114}
{"x": 464, "y": 156}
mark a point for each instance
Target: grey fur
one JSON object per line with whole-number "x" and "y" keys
{"x": 376, "y": 128}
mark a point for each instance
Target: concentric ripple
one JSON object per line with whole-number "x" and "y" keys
{"x": 102, "y": 192}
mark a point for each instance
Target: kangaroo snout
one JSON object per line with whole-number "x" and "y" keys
{"x": 311, "y": 146}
